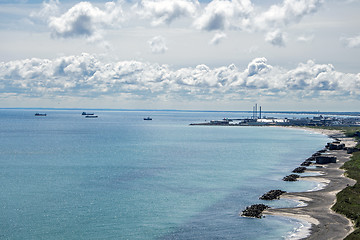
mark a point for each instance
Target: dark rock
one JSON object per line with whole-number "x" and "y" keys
{"x": 299, "y": 170}
{"x": 311, "y": 159}
{"x": 254, "y": 210}
{"x": 291, "y": 178}
{"x": 351, "y": 150}
{"x": 306, "y": 163}
{"x": 336, "y": 146}
{"x": 272, "y": 194}
{"x": 325, "y": 159}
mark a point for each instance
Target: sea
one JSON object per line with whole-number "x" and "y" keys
{"x": 64, "y": 176}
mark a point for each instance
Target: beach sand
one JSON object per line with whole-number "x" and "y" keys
{"x": 325, "y": 223}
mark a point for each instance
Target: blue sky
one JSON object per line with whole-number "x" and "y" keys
{"x": 181, "y": 54}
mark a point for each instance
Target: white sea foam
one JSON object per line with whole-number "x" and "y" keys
{"x": 318, "y": 187}
{"x": 312, "y": 174}
{"x": 302, "y": 230}
{"x": 300, "y": 203}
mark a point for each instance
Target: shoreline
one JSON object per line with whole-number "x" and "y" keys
{"x": 324, "y": 223}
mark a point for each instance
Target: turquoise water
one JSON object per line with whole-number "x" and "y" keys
{"x": 118, "y": 177}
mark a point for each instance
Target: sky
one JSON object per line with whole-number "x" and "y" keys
{"x": 226, "y": 55}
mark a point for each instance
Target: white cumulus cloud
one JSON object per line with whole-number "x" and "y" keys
{"x": 305, "y": 38}
{"x": 85, "y": 20}
{"x": 86, "y": 75}
{"x": 290, "y": 11}
{"x": 88, "y": 21}
{"x": 165, "y": 11}
{"x": 351, "y": 42}
{"x": 157, "y": 45}
{"x": 223, "y": 14}
{"x": 279, "y": 16}
{"x": 218, "y": 37}
{"x": 258, "y": 66}
{"x": 276, "y": 38}
{"x": 49, "y": 9}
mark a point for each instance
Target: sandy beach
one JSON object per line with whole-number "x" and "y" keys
{"x": 325, "y": 223}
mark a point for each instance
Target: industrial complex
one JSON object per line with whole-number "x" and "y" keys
{"x": 257, "y": 119}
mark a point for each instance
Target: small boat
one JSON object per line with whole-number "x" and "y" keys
{"x": 91, "y": 116}
{"x": 40, "y": 114}
{"x": 86, "y": 114}
{"x": 148, "y": 118}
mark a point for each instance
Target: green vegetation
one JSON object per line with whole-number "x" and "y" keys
{"x": 348, "y": 200}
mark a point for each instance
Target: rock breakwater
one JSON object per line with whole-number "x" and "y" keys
{"x": 272, "y": 195}
{"x": 254, "y": 210}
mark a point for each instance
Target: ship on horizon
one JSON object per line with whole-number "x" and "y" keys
{"x": 86, "y": 114}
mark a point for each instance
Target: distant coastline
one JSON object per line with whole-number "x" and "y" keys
{"x": 315, "y": 121}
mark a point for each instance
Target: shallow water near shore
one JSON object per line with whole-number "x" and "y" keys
{"x": 119, "y": 177}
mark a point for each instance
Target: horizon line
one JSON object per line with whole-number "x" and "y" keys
{"x": 178, "y": 110}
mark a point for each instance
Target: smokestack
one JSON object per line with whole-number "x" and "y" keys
{"x": 260, "y": 112}
{"x": 256, "y": 111}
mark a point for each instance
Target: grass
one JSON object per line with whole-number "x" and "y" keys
{"x": 348, "y": 200}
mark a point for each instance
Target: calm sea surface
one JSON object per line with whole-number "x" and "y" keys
{"x": 64, "y": 176}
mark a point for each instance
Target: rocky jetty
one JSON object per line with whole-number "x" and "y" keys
{"x": 299, "y": 170}
{"x": 308, "y": 162}
{"x": 316, "y": 154}
{"x": 272, "y": 195}
{"x": 335, "y": 146}
{"x": 291, "y": 178}
{"x": 254, "y": 210}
